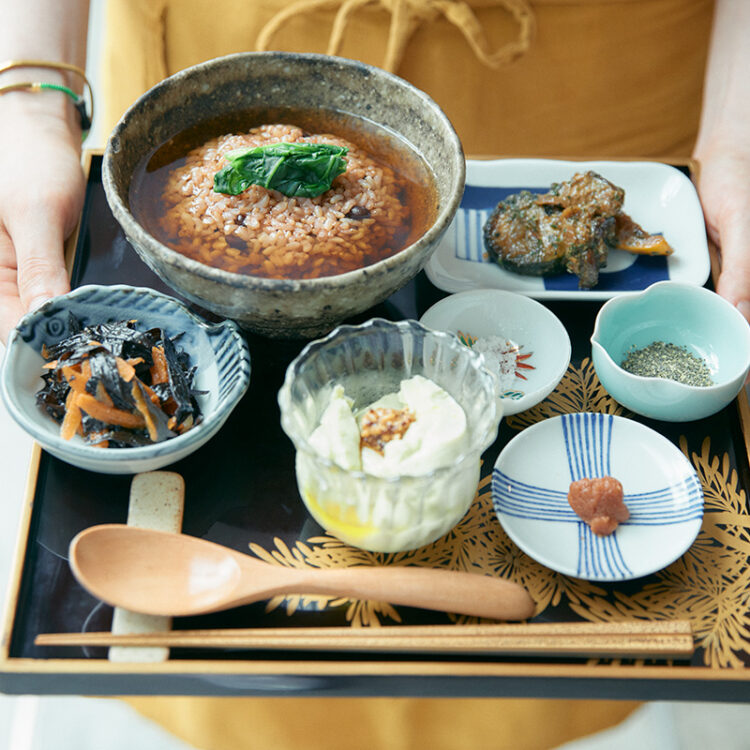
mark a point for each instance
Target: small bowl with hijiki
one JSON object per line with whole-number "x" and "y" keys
{"x": 524, "y": 344}
{"x": 389, "y": 421}
{"x": 121, "y": 380}
{"x": 675, "y": 352}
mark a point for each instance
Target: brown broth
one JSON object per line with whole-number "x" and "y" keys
{"x": 414, "y": 187}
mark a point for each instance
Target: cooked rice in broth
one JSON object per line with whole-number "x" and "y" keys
{"x": 363, "y": 218}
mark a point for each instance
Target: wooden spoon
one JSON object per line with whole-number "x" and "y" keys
{"x": 161, "y": 573}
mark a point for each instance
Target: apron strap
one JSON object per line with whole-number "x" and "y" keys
{"x": 406, "y": 17}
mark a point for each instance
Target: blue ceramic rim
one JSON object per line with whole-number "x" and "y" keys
{"x": 211, "y": 422}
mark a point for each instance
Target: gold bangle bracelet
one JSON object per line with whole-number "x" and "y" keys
{"x": 45, "y": 64}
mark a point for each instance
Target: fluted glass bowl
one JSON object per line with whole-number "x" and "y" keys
{"x": 369, "y": 361}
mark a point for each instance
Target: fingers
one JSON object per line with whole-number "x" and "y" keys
{"x": 734, "y": 280}
{"x": 40, "y": 262}
{"x": 724, "y": 190}
{"x": 41, "y": 195}
{"x": 10, "y": 303}
{"x": 32, "y": 264}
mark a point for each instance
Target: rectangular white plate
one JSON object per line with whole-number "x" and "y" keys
{"x": 659, "y": 197}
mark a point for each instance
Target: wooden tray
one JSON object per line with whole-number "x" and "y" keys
{"x": 240, "y": 491}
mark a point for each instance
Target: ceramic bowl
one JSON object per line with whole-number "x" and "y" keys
{"x": 682, "y": 314}
{"x": 538, "y": 350}
{"x": 271, "y": 80}
{"x": 400, "y": 512}
{"x": 218, "y": 352}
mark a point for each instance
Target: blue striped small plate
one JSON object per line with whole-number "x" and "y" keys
{"x": 662, "y": 492}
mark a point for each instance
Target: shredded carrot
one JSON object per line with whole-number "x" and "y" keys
{"x": 88, "y": 402}
{"x": 77, "y": 375}
{"x": 102, "y": 396}
{"x": 159, "y": 370}
{"x": 98, "y": 443}
{"x": 70, "y": 371}
{"x": 126, "y": 370}
{"x": 140, "y": 404}
{"x": 184, "y": 426}
{"x": 108, "y": 414}
{"x": 77, "y": 383}
{"x": 169, "y": 406}
{"x": 72, "y": 420}
{"x": 152, "y": 395}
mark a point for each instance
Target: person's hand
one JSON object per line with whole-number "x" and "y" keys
{"x": 724, "y": 189}
{"x": 41, "y": 194}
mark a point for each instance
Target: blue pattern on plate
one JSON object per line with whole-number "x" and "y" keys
{"x": 477, "y": 204}
{"x": 599, "y": 556}
{"x": 588, "y": 442}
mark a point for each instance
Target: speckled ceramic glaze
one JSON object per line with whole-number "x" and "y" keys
{"x": 283, "y": 308}
{"x": 218, "y": 352}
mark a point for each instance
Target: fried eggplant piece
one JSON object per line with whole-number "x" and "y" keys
{"x": 570, "y": 228}
{"x": 520, "y": 237}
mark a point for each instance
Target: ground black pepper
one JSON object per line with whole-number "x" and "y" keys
{"x": 663, "y": 360}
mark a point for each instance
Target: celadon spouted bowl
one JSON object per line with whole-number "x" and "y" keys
{"x": 370, "y": 360}
{"x": 686, "y": 315}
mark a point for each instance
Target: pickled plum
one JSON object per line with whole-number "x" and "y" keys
{"x": 599, "y": 502}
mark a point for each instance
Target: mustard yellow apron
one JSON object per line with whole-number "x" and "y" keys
{"x": 379, "y": 723}
{"x": 516, "y": 77}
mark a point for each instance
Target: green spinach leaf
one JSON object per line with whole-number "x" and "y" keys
{"x": 294, "y": 169}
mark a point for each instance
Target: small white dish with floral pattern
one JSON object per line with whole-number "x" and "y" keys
{"x": 524, "y": 344}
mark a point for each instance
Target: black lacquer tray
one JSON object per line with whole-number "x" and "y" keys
{"x": 240, "y": 490}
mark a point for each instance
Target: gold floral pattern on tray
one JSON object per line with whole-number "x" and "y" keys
{"x": 708, "y": 585}
{"x": 579, "y": 390}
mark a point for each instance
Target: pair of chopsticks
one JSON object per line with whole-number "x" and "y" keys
{"x": 630, "y": 639}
